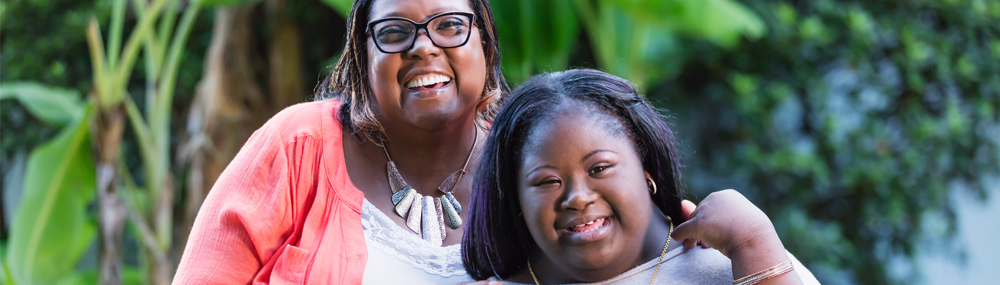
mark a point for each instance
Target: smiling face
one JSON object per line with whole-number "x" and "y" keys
{"x": 583, "y": 193}
{"x": 425, "y": 86}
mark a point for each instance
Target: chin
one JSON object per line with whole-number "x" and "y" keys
{"x": 432, "y": 122}
{"x": 592, "y": 260}
{"x": 439, "y": 116}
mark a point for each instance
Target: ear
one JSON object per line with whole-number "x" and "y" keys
{"x": 650, "y": 183}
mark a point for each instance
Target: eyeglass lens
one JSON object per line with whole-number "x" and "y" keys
{"x": 446, "y": 31}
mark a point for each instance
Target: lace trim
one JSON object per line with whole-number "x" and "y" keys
{"x": 405, "y": 245}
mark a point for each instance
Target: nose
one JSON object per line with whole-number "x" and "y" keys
{"x": 423, "y": 47}
{"x": 578, "y": 196}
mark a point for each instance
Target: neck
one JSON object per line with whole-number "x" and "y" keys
{"x": 426, "y": 158}
{"x": 656, "y": 235}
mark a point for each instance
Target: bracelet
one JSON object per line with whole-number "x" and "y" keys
{"x": 765, "y": 274}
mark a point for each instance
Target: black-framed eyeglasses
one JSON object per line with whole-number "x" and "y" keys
{"x": 447, "y": 30}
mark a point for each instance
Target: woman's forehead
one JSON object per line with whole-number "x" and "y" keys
{"x": 416, "y": 10}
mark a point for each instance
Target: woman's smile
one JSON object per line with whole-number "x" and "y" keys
{"x": 590, "y": 231}
{"x": 428, "y": 81}
{"x": 429, "y": 86}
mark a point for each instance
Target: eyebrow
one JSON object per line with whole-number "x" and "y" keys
{"x": 539, "y": 167}
{"x": 433, "y": 13}
{"x": 584, "y": 158}
{"x": 595, "y": 152}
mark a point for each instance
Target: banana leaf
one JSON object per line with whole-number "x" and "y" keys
{"x": 55, "y": 106}
{"x": 343, "y": 7}
{"x": 535, "y": 36}
{"x": 50, "y": 231}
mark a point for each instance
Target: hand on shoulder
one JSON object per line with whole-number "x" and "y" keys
{"x": 728, "y": 222}
{"x": 734, "y": 226}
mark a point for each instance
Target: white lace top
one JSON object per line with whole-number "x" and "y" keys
{"x": 396, "y": 255}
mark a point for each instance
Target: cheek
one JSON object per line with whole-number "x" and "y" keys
{"x": 632, "y": 204}
{"x": 382, "y": 72}
{"x": 470, "y": 62}
{"x": 537, "y": 214}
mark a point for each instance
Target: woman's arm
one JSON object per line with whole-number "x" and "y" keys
{"x": 245, "y": 219}
{"x": 730, "y": 223}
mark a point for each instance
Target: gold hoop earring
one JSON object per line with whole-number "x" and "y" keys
{"x": 652, "y": 185}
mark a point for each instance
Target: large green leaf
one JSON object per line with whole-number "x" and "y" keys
{"x": 722, "y": 22}
{"x": 50, "y": 231}
{"x": 635, "y": 39}
{"x": 640, "y": 49}
{"x": 341, "y": 6}
{"x": 130, "y": 275}
{"x": 213, "y": 3}
{"x": 56, "y": 106}
{"x": 535, "y": 36}
{"x": 4, "y": 269}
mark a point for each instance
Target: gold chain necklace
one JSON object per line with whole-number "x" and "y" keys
{"x": 658, "y": 261}
{"x": 425, "y": 214}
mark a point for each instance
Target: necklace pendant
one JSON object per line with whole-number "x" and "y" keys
{"x": 425, "y": 215}
{"x": 454, "y": 220}
{"x": 429, "y": 227}
{"x": 440, "y": 217}
{"x": 398, "y": 196}
{"x": 396, "y": 182}
{"x": 449, "y": 183}
{"x": 454, "y": 202}
{"x": 413, "y": 219}
{"x": 404, "y": 203}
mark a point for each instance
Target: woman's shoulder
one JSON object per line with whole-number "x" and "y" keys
{"x": 317, "y": 120}
{"x": 709, "y": 266}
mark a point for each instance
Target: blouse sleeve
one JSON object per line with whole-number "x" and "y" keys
{"x": 247, "y": 216}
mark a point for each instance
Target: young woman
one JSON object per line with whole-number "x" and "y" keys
{"x": 580, "y": 182}
{"x": 366, "y": 188}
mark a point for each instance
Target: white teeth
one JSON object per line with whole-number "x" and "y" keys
{"x": 588, "y": 223}
{"x": 427, "y": 80}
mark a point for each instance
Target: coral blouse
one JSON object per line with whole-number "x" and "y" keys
{"x": 284, "y": 198}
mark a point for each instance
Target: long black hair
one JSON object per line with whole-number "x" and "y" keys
{"x": 496, "y": 240}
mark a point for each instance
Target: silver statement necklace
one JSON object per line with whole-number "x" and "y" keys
{"x": 425, "y": 215}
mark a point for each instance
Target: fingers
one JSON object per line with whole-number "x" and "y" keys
{"x": 686, "y": 230}
{"x": 687, "y": 208}
{"x": 690, "y": 243}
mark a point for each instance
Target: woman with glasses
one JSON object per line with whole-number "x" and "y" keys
{"x": 368, "y": 186}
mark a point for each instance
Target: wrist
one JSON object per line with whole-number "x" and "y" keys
{"x": 756, "y": 250}
{"x": 756, "y": 237}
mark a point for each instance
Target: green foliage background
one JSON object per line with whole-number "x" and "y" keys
{"x": 848, "y": 122}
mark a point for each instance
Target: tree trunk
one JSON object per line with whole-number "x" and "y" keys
{"x": 284, "y": 57}
{"x": 227, "y": 107}
{"x": 107, "y": 132}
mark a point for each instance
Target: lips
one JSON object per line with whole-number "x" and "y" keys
{"x": 428, "y": 81}
{"x": 585, "y": 229}
{"x": 588, "y": 226}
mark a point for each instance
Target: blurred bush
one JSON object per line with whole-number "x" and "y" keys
{"x": 849, "y": 123}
